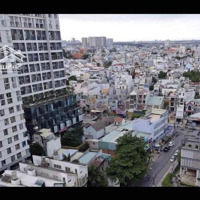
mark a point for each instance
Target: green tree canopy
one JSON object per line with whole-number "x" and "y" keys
{"x": 72, "y": 78}
{"x": 151, "y": 87}
{"x": 36, "y": 149}
{"x": 194, "y": 76}
{"x": 129, "y": 164}
{"x": 162, "y": 74}
{"x": 96, "y": 178}
{"x": 73, "y": 137}
{"x": 154, "y": 80}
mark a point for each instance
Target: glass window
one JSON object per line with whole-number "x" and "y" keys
{"x": 5, "y": 131}
{"x": 19, "y": 155}
{"x": 13, "y": 158}
{"x": 16, "y": 137}
{"x": 9, "y": 140}
{"x": 8, "y": 150}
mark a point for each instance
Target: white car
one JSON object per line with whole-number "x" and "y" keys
{"x": 171, "y": 143}
{"x": 176, "y": 152}
{"x": 172, "y": 159}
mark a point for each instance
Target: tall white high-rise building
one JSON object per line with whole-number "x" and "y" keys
{"x": 42, "y": 81}
{"x": 13, "y": 133}
{"x": 97, "y": 41}
{"x": 109, "y": 42}
{"x": 167, "y": 43}
{"x": 84, "y": 42}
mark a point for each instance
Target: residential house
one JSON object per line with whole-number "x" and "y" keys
{"x": 97, "y": 130}
{"x": 190, "y": 159}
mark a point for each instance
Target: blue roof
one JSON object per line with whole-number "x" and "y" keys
{"x": 87, "y": 157}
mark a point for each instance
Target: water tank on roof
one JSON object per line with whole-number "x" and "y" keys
{"x": 14, "y": 179}
{"x": 31, "y": 171}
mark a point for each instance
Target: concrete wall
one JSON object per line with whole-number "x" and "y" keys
{"x": 53, "y": 145}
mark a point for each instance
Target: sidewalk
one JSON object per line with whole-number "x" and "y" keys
{"x": 170, "y": 170}
{"x": 154, "y": 156}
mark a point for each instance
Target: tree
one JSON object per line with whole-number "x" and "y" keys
{"x": 72, "y": 78}
{"x": 162, "y": 74}
{"x": 66, "y": 158}
{"x": 137, "y": 115}
{"x": 98, "y": 64}
{"x": 129, "y": 164}
{"x": 151, "y": 87}
{"x": 194, "y": 76}
{"x": 73, "y": 137}
{"x": 96, "y": 178}
{"x": 154, "y": 80}
{"x": 36, "y": 149}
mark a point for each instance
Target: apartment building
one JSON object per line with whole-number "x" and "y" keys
{"x": 42, "y": 76}
{"x": 190, "y": 159}
{"x": 109, "y": 42}
{"x": 13, "y": 133}
{"x": 97, "y": 41}
{"x": 154, "y": 124}
{"x": 84, "y": 42}
{"x": 45, "y": 172}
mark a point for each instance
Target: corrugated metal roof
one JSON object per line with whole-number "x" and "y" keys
{"x": 87, "y": 157}
{"x": 155, "y": 101}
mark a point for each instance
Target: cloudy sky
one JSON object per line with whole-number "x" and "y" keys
{"x": 131, "y": 27}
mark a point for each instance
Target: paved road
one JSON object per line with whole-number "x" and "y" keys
{"x": 162, "y": 163}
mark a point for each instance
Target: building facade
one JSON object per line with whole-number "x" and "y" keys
{"x": 190, "y": 159}
{"x": 13, "y": 133}
{"x": 42, "y": 76}
{"x": 84, "y": 42}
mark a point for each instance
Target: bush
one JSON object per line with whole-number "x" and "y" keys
{"x": 167, "y": 180}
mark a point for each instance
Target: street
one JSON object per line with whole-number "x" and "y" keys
{"x": 162, "y": 163}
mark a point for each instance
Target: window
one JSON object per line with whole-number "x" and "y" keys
{"x": 0, "y": 154}
{"x": 1, "y": 144}
{"x": 57, "y": 166}
{"x": 8, "y": 150}
{"x": 3, "y": 162}
{"x": 23, "y": 143}
{"x": 17, "y": 146}
{"x": 19, "y": 155}
{"x": 6, "y": 122}
{"x": 12, "y": 119}
{"x": 25, "y": 134}
{"x": 16, "y": 137}
{"x": 2, "y": 113}
{"x": 67, "y": 169}
{"x": 13, "y": 158}
{"x": 11, "y": 110}
{"x": 76, "y": 171}
{"x": 22, "y": 116}
{"x": 14, "y": 129}
{"x": 5, "y": 131}
{"x": 9, "y": 140}
{"x": 21, "y": 126}
{"x": 18, "y": 107}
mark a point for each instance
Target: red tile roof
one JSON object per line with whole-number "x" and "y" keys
{"x": 118, "y": 119}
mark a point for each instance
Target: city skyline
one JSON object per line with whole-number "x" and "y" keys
{"x": 131, "y": 27}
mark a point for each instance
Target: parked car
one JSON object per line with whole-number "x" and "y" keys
{"x": 171, "y": 143}
{"x": 166, "y": 149}
{"x": 176, "y": 152}
{"x": 172, "y": 159}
